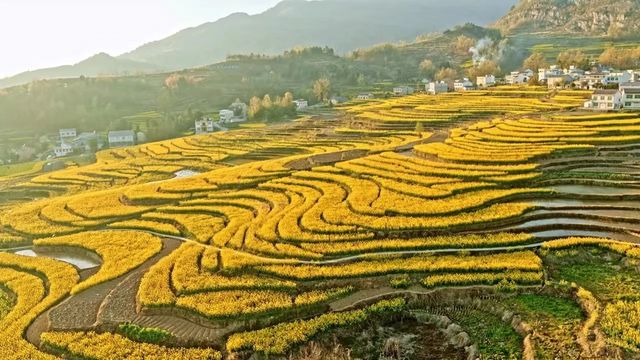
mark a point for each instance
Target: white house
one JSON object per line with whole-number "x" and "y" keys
{"x": 63, "y": 150}
{"x": 67, "y": 133}
{"x": 368, "y": 96}
{"x": 86, "y": 140}
{"x": 574, "y": 71}
{"x": 544, "y": 73}
{"x": 226, "y": 116}
{"x": 631, "y": 98}
{"x": 121, "y": 138}
{"x": 619, "y": 78}
{"x": 486, "y": 81}
{"x": 605, "y": 100}
{"x": 592, "y": 79}
{"x": 630, "y": 95}
{"x": 435, "y": 88}
{"x": 519, "y": 77}
{"x": 403, "y": 90}
{"x": 204, "y": 126}
{"x": 301, "y": 104}
{"x": 462, "y": 85}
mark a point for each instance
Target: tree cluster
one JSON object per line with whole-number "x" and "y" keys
{"x": 621, "y": 58}
{"x": 266, "y": 109}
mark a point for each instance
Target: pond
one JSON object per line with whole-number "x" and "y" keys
{"x": 79, "y": 261}
{"x": 595, "y": 190}
{"x": 185, "y": 173}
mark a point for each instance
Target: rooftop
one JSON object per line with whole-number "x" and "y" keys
{"x": 605, "y": 92}
{"x": 121, "y": 133}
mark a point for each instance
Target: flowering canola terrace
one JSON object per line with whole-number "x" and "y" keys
{"x": 266, "y": 243}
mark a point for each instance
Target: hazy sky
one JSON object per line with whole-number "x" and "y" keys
{"x": 44, "y": 33}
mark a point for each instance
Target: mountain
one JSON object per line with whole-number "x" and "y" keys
{"x": 581, "y": 17}
{"x": 344, "y": 25}
{"x": 100, "y": 64}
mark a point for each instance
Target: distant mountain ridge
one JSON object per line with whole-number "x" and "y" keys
{"x": 344, "y": 25}
{"x": 99, "y": 64}
{"x": 584, "y": 17}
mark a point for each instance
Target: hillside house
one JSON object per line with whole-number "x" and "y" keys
{"x": 204, "y": 126}
{"x": 121, "y": 138}
{"x": 86, "y": 141}
{"x": 67, "y": 133}
{"x": 519, "y": 77}
{"x": 591, "y": 80}
{"x": 403, "y": 90}
{"x": 301, "y": 104}
{"x": 435, "y": 88}
{"x": 605, "y": 100}
{"x": 630, "y": 95}
{"x": 616, "y": 78}
{"x": 544, "y": 74}
{"x": 226, "y": 116}
{"x": 462, "y": 85}
{"x": 486, "y": 81}
{"x": 631, "y": 99}
{"x": 368, "y": 96}
{"x": 63, "y": 150}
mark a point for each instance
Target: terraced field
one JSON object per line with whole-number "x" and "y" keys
{"x": 299, "y": 236}
{"x": 404, "y": 113}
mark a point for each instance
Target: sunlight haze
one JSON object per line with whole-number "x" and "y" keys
{"x": 69, "y": 31}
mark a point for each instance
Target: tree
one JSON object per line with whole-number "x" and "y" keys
{"x": 427, "y": 67}
{"x": 446, "y": 74}
{"x": 462, "y": 45}
{"x": 535, "y": 61}
{"x": 287, "y": 100}
{"x": 419, "y": 128}
{"x": 620, "y": 58}
{"x": 573, "y": 58}
{"x": 255, "y": 106}
{"x": 321, "y": 89}
{"x": 488, "y": 67}
{"x": 266, "y": 102}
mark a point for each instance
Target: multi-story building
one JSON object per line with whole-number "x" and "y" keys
{"x": 439, "y": 87}
{"x": 605, "y": 100}
{"x": 486, "y": 81}
{"x": 204, "y": 126}
{"x": 462, "y": 85}
{"x": 121, "y": 138}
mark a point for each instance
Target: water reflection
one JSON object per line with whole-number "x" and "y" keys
{"x": 81, "y": 262}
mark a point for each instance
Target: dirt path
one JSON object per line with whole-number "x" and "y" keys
{"x": 80, "y": 312}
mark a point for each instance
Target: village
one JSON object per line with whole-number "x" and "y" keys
{"x": 613, "y": 90}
